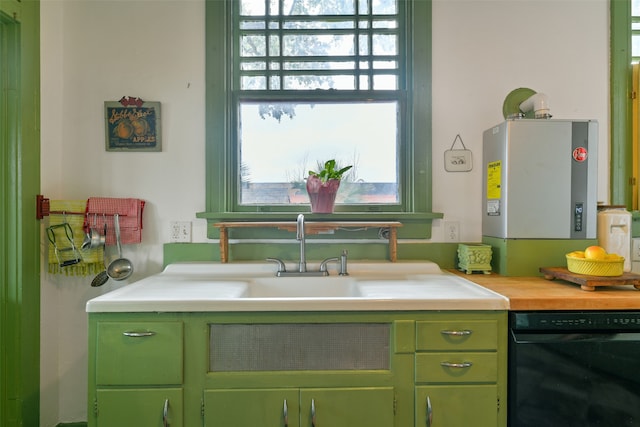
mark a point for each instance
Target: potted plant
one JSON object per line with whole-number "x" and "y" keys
{"x": 323, "y": 184}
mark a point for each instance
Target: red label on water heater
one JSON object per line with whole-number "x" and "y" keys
{"x": 580, "y": 154}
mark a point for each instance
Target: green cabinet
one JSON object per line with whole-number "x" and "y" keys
{"x": 460, "y": 375}
{"x": 333, "y": 369}
{"x": 138, "y": 374}
{"x": 335, "y": 407}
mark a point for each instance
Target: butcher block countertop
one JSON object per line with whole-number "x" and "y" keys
{"x": 537, "y": 293}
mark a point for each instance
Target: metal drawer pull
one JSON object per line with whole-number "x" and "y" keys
{"x": 313, "y": 412}
{"x": 456, "y": 333}
{"x": 285, "y": 412}
{"x": 429, "y": 412}
{"x": 456, "y": 365}
{"x": 165, "y": 414}
{"x": 138, "y": 334}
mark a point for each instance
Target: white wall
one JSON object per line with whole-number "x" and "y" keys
{"x": 100, "y": 50}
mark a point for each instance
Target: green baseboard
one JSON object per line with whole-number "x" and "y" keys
{"x": 82, "y": 424}
{"x": 524, "y": 257}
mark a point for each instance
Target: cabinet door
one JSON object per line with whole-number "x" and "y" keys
{"x": 347, "y": 407}
{"x": 457, "y": 406}
{"x": 139, "y": 407}
{"x": 136, "y": 353}
{"x": 251, "y": 407}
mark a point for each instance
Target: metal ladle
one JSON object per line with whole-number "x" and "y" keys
{"x": 121, "y": 268}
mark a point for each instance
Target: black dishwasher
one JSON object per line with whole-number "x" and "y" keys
{"x": 578, "y": 368}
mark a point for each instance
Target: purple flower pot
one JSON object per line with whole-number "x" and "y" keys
{"x": 322, "y": 195}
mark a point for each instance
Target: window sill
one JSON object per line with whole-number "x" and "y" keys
{"x": 336, "y": 216}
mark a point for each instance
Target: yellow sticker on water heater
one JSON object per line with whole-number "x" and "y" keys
{"x": 494, "y": 179}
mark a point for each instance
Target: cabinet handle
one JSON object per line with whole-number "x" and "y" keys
{"x": 456, "y": 332}
{"x": 285, "y": 412}
{"x": 165, "y": 414}
{"x": 313, "y": 412}
{"x": 138, "y": 334}
{"x": 456, "y": 365}
{"x": 429, "y": 412}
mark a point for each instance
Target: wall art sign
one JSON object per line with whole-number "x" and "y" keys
{"x": 458, "y": 160}
{"x": 132, "y": 125}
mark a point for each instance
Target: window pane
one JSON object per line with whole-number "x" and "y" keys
{"x": 384, "y": 44}
{"x": 315, "y": 25}
{"x": 385, "y": 82}
{"x": 318, "y": 7}
{"x": 254, "y": 82}
{"x": 635, "y": 7}
{"x": 253, "y": 46}
{"x": 252, "y": 25}
{"x": 280, "y": 142}
{"x": 246, "y": 66}
{"x": 635, "y": 45}
{"x": 314, "y": 65}
{"x": 387, "y": 7}
{"x": 318, "y": 45}
{"x": 313, "y": 82}
{"x": 252, "y": 7}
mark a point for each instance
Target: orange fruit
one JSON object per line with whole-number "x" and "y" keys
{"x": 123, "y": 129}
{"x": 595, "y": 252}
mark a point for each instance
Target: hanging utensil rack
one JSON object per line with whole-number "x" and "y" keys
{"x": 43, "y": 208}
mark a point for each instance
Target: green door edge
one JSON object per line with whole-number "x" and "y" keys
{"x": 20, "y": 245}
{"x": 621, "y": 164}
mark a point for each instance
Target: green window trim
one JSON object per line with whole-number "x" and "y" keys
{"x": 621, "y": 163}
{"x": 20, "y": 233}
{"x": 220, "y": 175}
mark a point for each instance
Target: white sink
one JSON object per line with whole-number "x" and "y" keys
{"x": 306, "y": 287}
{"x": 204, "y": 287}
{"x": 436, "y": 287}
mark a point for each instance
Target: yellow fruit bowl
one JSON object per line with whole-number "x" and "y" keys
{"x": 612, "y": 266}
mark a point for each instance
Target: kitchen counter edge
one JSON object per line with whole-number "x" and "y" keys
{"x": 538, "y": 293}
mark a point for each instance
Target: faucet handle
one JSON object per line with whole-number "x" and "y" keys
{"x": 323, "y": 264}
{"x": 281, "y": 267}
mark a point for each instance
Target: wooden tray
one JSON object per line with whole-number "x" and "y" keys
{"x": 590, "y": 283}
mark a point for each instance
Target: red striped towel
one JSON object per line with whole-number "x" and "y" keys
{"x": 102, "y": 209}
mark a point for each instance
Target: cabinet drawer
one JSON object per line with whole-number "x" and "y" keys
{"x": 456, "y": 367}
{"x": 457, "y": 335}
{"x": 140, "y": 407}
{"x": 129, "y": 353}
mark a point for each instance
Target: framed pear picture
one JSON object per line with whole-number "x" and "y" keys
{"x": 132, "y": 124}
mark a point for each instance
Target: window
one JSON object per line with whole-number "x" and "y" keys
{"x": 291, "y": 83}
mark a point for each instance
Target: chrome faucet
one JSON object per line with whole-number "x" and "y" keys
{"x": 302, "y": 264}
